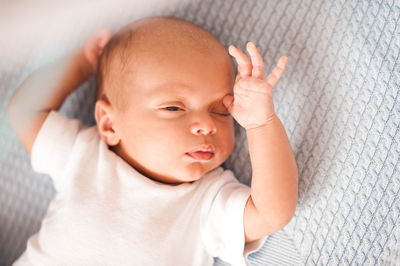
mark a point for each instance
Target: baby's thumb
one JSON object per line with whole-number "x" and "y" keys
{"x": 228, "y": 102}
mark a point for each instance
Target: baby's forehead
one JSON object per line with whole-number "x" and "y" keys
{"x": 157, "y": 37}
{"x": 152, "y": 42}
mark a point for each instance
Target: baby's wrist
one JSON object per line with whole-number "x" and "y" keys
{"x": 255, "y": 127}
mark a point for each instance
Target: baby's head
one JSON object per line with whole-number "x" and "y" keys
{"x": 159, "y": 106}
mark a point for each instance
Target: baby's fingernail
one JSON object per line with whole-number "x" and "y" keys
{"x": 232, "y": 50}
{"x": 282, "y": 61}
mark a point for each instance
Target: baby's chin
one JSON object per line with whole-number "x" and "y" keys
{"x": 196, "y": 171}
{"x": 188, "y": 174}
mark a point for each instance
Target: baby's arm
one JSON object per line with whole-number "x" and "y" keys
{"x": 46, "y": 88}
{"x": 274, "y": 182}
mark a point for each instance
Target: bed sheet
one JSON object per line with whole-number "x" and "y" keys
{"x": 338, "y": 100}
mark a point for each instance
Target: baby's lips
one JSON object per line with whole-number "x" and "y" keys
{"x": 203, "y": 148}
{"x": 201, "y": 155}
{"x": 203, "y": 152}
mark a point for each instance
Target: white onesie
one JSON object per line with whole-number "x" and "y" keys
{"x": 106, "y": 213}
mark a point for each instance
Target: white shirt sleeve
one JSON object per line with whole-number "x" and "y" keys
{"x": 223, "y": 233}
{"x": 52, "y": 147}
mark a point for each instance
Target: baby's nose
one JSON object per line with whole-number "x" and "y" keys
{"x": 203, "y": 126}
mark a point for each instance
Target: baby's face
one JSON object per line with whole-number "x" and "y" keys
{"x": 175, "y": 127}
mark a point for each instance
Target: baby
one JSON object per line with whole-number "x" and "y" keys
{"x": 144, "y": 186}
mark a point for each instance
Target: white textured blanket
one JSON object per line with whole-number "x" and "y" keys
{"x": 338, "y": 100}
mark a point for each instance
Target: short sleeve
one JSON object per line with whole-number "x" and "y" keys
{"x": 223, "y": 232}
{"x": 54, "y": 142}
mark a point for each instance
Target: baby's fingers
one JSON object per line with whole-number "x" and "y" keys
{"x": 228, "y": 102}
{"x": 103, "y": 36}
{"x": 256, "y": 60}
{"x": 244, "y": 63}
{"x": 276, "y": 74}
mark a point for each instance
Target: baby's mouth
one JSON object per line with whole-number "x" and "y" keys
{"x": 202, "y": 153}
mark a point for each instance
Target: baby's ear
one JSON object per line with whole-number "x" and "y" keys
{"x": 105, "y": 122}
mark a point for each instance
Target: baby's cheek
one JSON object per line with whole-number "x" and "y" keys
{"x": 231, "y": 143}
{"x": 227, "y": 140}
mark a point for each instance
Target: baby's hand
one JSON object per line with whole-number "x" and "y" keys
{"x": 93, "y": 48}
{"x": 251, "y": 104}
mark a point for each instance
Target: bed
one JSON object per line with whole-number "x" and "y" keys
{"x": 338, "y": 100}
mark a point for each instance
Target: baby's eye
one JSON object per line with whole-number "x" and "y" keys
{"x": 221, "y": 111}
{"x": 222, "y": 114}
{"x": 173, "y": 108}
